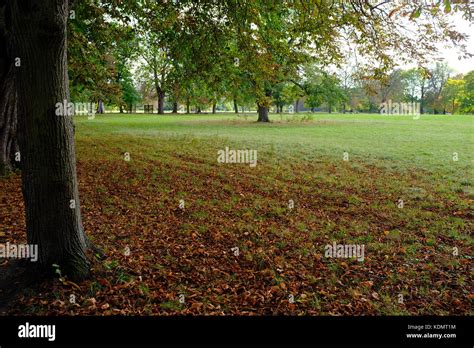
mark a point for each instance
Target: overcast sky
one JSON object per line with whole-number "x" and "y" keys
{"x": 451, "y": 55}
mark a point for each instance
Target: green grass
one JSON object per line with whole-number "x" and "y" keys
{"x": 393, "y": 142}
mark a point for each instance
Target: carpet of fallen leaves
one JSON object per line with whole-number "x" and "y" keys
{"x": 163, "y": 259}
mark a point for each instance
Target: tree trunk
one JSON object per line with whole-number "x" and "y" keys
{"x": 198, "y": 110}
{"x": 175, "y": 107}
{"x": 8, "y": 105}
{"x": 188, "y": 107}
{"x": 297, "y": 104}
{"x": 263, "y": 109}
{"x": 263, "y": 114}
{"x": 236, "y": 108}
{"x": 214, "y": 107}
{"x": 422, "y": 99}
{"x": 161, "y": 101}
{"x": 50, "y": 190}
{"x": 100, "y": 108}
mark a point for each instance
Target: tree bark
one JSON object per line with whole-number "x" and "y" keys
{"x": 236, "y": 108}
{"x": 161, "y": 101}
{"x": 214, "y": 107}
{"x": 422, "y": 98}
{"x": 49, "y": 180}
{"x": 263, "y": 109}
{"x": 188, "y": 106}
{"x": 175, "y": 107}
{"x": 263, "y": 114}
{"x": 100, "y": 107}
{"x": 8, "y": 106}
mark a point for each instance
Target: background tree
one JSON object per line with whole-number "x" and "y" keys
{"x": 451, "y": 95}
{"x": 439, "y": 75}
{"x": 275, "y": 40}
{"x": 93, "y": 31}
{"x": 467, "y": 99}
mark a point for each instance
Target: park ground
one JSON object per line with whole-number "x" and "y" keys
{"x": 346, "y": 174}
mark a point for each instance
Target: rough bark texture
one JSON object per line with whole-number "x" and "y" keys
{"x": 8, "y": 106}
{"x": 263, "y": 114}
{"x": 46, "y": 140}
{"x": 161, "y": 101}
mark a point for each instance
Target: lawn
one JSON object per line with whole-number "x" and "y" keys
{"x": 184, "y": 234}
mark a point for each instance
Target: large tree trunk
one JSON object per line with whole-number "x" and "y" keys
{"x": 8, "y": 106}
{"x": 236, "y": 108}
{"x": 161, "y": 101}
{"x": 263, "y": 109}
{"x": 50, "y": 190}
{"x": 263, "y": 114}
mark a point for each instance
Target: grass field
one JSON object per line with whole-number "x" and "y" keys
{"x": 418, "y": 254}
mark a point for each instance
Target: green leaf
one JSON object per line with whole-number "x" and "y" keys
{"x": 416, "y": 13}
{"x": 447, "y": 6}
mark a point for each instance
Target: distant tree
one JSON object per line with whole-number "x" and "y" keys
{"x": 130, "y": 95}
{"x": 467, "y": 99}
{"x": 275, "y": 41}
{"x": 439, "y": 75}
{"x": 92, "y": 66}
{"x": 451, "y": 95}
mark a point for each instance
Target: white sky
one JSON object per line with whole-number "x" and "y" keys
{"x": 450, "y": 55}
